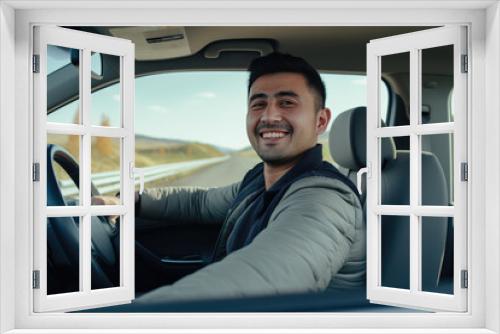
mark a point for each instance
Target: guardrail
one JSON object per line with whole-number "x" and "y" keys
{"x": 109, "y": 182}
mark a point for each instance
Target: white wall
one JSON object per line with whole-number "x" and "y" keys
{"x": 7, "y": 176}
{"x": 492, "y": 169}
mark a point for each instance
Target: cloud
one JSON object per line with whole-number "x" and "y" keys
{"x": 206, "y": 95}
{"x": 157, "y": 108}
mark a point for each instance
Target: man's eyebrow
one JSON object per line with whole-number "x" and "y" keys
{"x": 257, "y": 96}
{"x": 279, "y": 94}
{"x": 286, "y": 93}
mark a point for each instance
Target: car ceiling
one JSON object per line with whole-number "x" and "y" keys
{"x": 329, "y": 49}
{"x": 336, "y": 49}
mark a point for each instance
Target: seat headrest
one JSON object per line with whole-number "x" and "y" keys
{"x": 348, "y": 140}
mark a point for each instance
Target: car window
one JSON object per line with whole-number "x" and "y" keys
{"x": 190, "y": 126}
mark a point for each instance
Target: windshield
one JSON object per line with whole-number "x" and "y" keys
{"x": 187, "y": 116}
{"x": 205, "y": 107}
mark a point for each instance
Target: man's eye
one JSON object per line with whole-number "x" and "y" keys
{"x": 257, "y": 105}
{"x": 287, "y": 103}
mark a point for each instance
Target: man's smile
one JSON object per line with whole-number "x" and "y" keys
{"x": 273, "y": 134}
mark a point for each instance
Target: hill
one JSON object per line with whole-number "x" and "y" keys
{"x": 156, "y": 153}
{"x": 105, "y": 152}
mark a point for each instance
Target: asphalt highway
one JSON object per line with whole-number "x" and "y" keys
{"x": 220, "y": 174}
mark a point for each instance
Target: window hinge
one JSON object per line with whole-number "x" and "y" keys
{"x": 464, "y": 279}
{"x": 464, "y": 171}
{"x": 465, "y": 64}
{"x": 36, "y": 63}
{"x": 36, "y": 172}
{"x": 36, "y": 279}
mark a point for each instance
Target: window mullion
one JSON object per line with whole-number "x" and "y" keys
{"x": 85, "y": 173}
{"x": 406, "y": 210}
{"x": 415, "y": 97}
{"x": 127, "y": 70}
{"x": 373, "y": 176}
{"x": 65, "y": 129}
{"x": 101, "y": 131}
{"x": 420, "y": 129}
{"x": 415, "y": 259}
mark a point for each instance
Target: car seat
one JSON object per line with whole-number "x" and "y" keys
{"x": 347, "y": 142}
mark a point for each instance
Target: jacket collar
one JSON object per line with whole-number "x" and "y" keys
{"x": 311, "y": 159}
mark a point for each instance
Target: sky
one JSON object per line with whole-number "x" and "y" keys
{"x": 203, "y": 106}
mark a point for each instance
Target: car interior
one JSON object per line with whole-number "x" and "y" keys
{"x": 165, "y": 254}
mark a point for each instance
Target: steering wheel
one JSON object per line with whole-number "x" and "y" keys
{"x": 63, "y": 235}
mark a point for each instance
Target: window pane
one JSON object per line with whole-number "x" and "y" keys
{"x": 395, "y": 178}
{"x": 384, "y": 102}
{"x": 437, "y": 169}
{"x": 437, "y": 254}
{"x": 398, "y": 67}
{"x": 105, "y": 252}
{"x": 437, "y": 83}
{"x": 63, "y": 82}
{"x": 96, "y": 65}
{"x": 59, "y": 57}
{"x": 106, "y": 103}
{"x": 344, "y": 92}
{"x": 395, "y": 251}
{"x": 63, "y": 255}
{"x": 106, "y": 165}
{"x": 63, "y": 177}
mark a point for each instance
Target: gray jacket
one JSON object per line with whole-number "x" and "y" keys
{"x": 315, "y": 239}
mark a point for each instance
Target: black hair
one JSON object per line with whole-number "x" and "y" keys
{"x": 277, "y": 62}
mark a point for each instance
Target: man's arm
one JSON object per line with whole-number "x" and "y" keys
{"x": 186, "y": 204}
{"x": 307, "y": 241}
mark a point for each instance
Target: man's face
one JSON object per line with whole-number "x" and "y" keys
{"x": 282, "y": 121}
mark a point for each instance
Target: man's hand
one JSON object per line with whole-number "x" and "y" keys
{"x": 107, "y": 200}
{"x": 112, "y": 200}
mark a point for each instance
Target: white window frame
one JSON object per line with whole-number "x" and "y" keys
{"x": 16, "y": 21}
{"x": 414, "y": 44}
{"x": 85, "y": 43}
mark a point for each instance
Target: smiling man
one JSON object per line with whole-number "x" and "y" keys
{"x": 285, "y": 116}
{"x": 294, "y": 224}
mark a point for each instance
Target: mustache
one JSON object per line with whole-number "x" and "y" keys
{"x": 273, "y": 126}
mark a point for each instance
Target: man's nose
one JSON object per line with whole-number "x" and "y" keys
{"x": 271, "y": 113}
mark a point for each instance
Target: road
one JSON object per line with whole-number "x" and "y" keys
{"x": 109, "y": 182}
{"x": 224, "y": 173}
{"x": 211, "y": 172}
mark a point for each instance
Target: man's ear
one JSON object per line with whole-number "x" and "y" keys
{"x": 322, "y": 120}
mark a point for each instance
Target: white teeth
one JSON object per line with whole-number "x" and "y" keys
{"x": 273, "y": 134}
